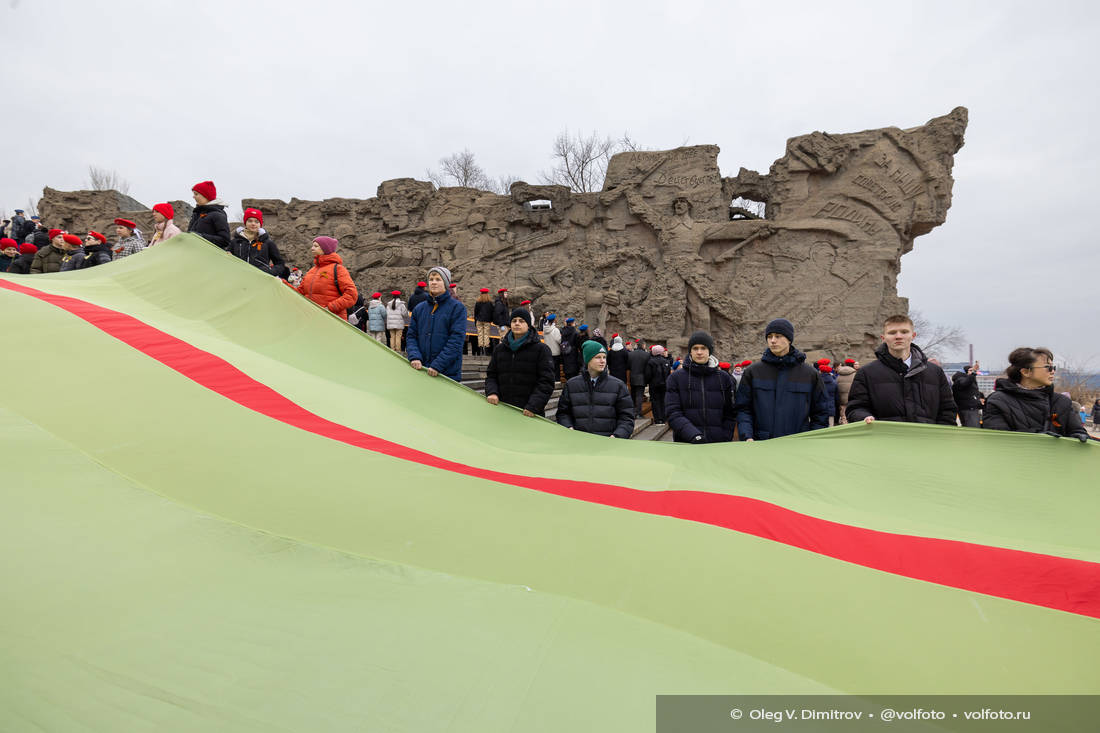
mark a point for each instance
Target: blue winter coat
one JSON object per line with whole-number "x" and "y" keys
{"x": 436, "y": 338}
{"x": 376, "y": 316}
{"x": 780, "y": 396}
{"x": 699, "y": 401}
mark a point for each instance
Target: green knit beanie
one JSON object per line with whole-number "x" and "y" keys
{"x": 590, "y": 349}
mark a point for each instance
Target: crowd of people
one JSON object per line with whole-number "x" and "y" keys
{"x": 702, "y": 399}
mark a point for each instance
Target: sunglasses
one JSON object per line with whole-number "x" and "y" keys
{"x": 1048, "y": 367}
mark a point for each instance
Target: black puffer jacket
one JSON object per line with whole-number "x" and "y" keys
{"x": 502, "y": 314}
{"x": 1011, "y": 407}
{"x": 209, "y": 222}
{"x": 964, "y": 389}
{"x": 603, "y": 409}
{"x": 570, "y": 349}
{"x": 699, "y": 401}
{"x": 98, "y": 254}
{"x": 21, "y": 265}
{"x": 524, "y": 377}
{"x": 657, "y": 371}
{"x": 886, "y": 390}
{"x": 483, "y": 311}
{"x": 261, "y": 253}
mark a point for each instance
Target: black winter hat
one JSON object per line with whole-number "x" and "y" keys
{"x": 701, "y": 337}
{"x": 781, "y": 326}
{"x": 520, "y": 313}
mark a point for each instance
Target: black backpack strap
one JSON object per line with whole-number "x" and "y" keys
{"x": 336, "y": 279}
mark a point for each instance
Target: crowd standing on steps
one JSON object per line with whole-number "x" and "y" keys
{"x": 607, "y": 385}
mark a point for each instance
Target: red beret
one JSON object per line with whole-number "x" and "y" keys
{"x": 376, "y": 296}
{"x": 822, "y": 360}
{"x": 27, "y": 248}
{"x": 7, "y": 242}
{"x": 206, "y": 189}
{"x": 72, "y": 239}
{"x": 723, "y": 365}
{"x": 97, "y": 235}
{"x": 485, "y": 290}
{"x": 526, "y": 302}
{"x": 826, "y": 369}
{"x": 503, "y": 290}
{"x": 126, "y": 223}
{"x": 453, "y": 285}
{"x": 849, "y": 361}
{"x": 165, "y": 210}
{"x": 422, "y": 284}
{"x": 745, "y": 363}
{"x": 55, "y": 233}
{"x": 254, "y": 214}
{"x": 395, "y": 292}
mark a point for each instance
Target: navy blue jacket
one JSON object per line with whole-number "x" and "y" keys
{"x": 436, "y": 338}
{"x": 780, "y": 396}
{"x": 699, "y": 401}
{"x": 828, "y": 380}
{"x": 418, "y": 296}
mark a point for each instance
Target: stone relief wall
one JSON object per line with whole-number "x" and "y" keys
{"x": 660, "y": 252}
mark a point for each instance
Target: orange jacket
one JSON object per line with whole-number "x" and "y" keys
{"x": 319, "y": 286}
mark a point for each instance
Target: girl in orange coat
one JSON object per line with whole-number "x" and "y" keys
{"x": 328, "y": 283}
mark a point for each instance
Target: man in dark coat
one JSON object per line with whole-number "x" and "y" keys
{"x": 596, "y": 402}
{"x": 901, "y": 384}
{"x": 208, "y": 219}
{"x": 521, "y": 370}
{"x": 570, "y": 349}
{"x": 967, "y": 396}
{"x": 699, "y": 397}
{"x": 636, "y": 362}
{"x": 656, "y": 374}
{"x": 780, "y": 394}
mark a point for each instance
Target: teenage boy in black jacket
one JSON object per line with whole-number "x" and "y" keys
{"x": 901, "y": 384}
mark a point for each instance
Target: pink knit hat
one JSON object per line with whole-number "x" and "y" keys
{"x": 328, "y": 244}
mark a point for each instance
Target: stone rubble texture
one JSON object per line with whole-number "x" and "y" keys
{"x": 659, "y": 252}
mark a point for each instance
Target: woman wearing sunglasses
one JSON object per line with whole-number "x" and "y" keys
{"x": 1026, "y": 402}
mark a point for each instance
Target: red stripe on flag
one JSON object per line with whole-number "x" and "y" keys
{"x": 1055, "y": 582}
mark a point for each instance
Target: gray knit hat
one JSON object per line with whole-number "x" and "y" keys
{"x": 443, "y": 273}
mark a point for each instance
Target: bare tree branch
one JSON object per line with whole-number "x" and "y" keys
{"x": 101, "y": 179}
{"x": 461, "y": 169}
{"x": 934, "y": 338}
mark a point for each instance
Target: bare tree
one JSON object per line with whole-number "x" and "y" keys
{"x": 461, "y": 169}
{"x": 32, "y": 209}
{"x": 580, "y": 162}
{"x": 101, "y": 179}
{"x": 934, "y": 338}
{"x": 1077, "y": 378}
{"x": 503, "y": 184}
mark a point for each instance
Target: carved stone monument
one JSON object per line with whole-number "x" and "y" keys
{"x": 660, "y": 252}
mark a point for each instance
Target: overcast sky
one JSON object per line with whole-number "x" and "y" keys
{"x": 278, "y": 99}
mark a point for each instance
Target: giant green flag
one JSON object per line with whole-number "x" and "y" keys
{"x": 225, "y": 509}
